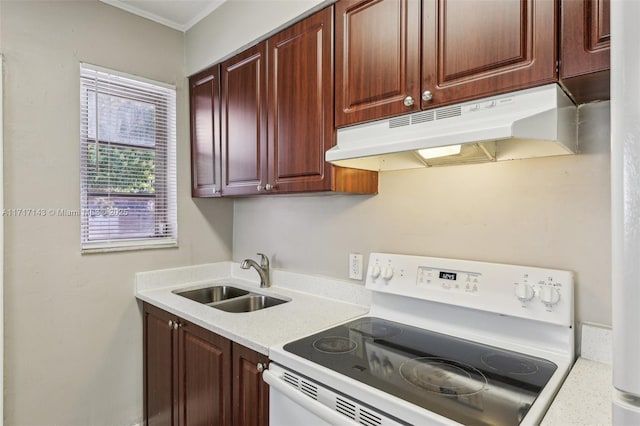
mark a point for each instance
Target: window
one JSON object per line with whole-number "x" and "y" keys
{"x": 128, "y": 166}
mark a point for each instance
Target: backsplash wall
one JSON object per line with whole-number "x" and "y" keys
{"x": 548, "y": 212}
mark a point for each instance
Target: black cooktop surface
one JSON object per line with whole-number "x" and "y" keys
{"x": 465, "y": 381}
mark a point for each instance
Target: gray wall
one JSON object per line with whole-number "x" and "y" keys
{"x": 548, "y": 212}
{"x": 73, "y": 348}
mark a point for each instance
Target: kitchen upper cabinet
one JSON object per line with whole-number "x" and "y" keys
{"x": 250, "y": 392}
{"x": 187, "y": 372}
{"x": 473, "y": 49}
{"x": 277, "y": 121}
{"x": 244, "y": 122}
{"x": 204, "y": 91}
{"x": 585, "y": 54}
{"x": 301, "y": 105}
{"x": 377, "y": 59}
{"x": 398, "y": 56}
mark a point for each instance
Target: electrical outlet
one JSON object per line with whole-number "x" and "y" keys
{"x": 355, "y": 266}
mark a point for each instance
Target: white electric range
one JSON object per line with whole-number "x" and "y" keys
{"x": 445, "y": 342}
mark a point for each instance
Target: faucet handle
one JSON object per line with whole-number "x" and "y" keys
{"x": 264, "y": 261}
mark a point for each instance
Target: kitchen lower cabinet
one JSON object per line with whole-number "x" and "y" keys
{"x": 399, "y": 56}
{"x": 585, "y": 49}
{"x": 193, "y": 376}
{"x": 250, "y": 392}
{"x": 160, "y": 368}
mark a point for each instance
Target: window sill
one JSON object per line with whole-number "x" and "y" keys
{"x": 127, "y": 246}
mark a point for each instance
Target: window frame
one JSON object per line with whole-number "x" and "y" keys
{"x": 131, "y": 88}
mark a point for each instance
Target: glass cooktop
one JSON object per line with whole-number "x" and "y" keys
{"x": 465, "y": 381}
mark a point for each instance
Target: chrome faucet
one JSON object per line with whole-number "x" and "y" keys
{"x": 262, "y": 268}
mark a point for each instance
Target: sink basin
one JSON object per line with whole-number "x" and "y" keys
{"x": 213, "y": 294}
{"x": 250, "y": 303}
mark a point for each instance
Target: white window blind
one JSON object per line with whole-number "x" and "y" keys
{"x": 128, "y": 161}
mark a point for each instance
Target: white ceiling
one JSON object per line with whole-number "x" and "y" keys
{"x": 178, "y": 14}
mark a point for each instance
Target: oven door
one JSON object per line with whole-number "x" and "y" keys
{"x": 295, "y": 400}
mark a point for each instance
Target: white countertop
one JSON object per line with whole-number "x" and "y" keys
{"x": 585, "y": 396}
{"x": 309, "y": 309}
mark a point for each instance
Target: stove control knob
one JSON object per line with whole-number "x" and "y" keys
{"x": 549, "y": 296}
{"x": 524, "y": 292}
{"x": 387, "y": 273}
{"x": 375, "y": 271}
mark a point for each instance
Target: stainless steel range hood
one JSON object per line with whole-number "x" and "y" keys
{"x": 536, "y": 122}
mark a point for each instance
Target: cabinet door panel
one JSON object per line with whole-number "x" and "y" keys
{"x": 598, "y": 24}
{"x": 469, "y": 52}
{"x": 377, "y": 58}
{"x": 205, "y": 373}
{"x": 244, "y": 122}
{"x": 478, "y": 48}
{"x": 585, "y": 57}
{"x": 205, "y": 133}
{"x": 160, "y": 374}
{"x": 585, "y": 37}
{"x": 301, "y": 104}
{"x": 250, "y": 392}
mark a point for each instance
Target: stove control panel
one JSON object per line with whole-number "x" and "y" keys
{"x": 452, "y": 280}
{"x": 522, "y": 291}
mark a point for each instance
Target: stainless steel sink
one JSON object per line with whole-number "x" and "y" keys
{"x": 253, "y": 302}
{"x": 213, "y": 294}
{"x": 230, "y": 299}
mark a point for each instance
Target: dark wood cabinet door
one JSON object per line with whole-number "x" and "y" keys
{"x": 301, "y": 104}
{"x": 584, "y": 46}
{"x": 377, "y": 59}
{"x": 244, "y": 122}
{"x": 204, "y": 93}
{"x": 476, "y": 48}
{"x": 250, "y": 392}
{"x": 160, "y": 368}
{"x": 205, "y": 377}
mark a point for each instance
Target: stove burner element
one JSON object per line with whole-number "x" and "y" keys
{"x": 335, "y": 345}
{"x": 376, "y": 330}
{"x": 506, "y": 364}
{"x": 443, "y": 376}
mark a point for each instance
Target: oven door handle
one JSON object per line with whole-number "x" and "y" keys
{"x": 317, "y": 408}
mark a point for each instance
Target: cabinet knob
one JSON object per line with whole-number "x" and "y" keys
{"x": 215, "y": 189}
{"x": 408, "y": 101}
{"x": 170, "y": 323}
{"x": 260, "y": 187}
{"x": 260, "y": 367}
{"x": 427, "y": 95}
{"x": 268, "y": 187}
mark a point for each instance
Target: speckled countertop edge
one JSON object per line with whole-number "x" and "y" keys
{"x": 585, "y": 397}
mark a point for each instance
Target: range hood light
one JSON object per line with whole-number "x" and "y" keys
{"x": 441, "y": 151}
